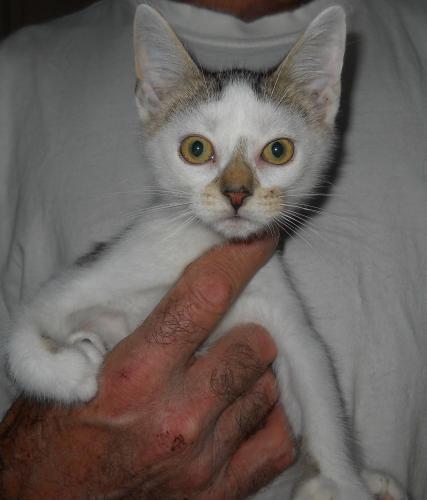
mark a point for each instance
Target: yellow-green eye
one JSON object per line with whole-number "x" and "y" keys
{"x": 278, "y": 152}
{"x": 196, "y": 149}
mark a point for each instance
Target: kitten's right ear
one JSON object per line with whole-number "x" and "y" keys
{"x": 311, "y": 72}
{"x": 162, "y": 64}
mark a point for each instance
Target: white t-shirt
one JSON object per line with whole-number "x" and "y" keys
{"x": 71, "y": 173}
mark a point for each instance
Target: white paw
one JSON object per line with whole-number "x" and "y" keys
{"x": 90, "y": 344}
{"x": 323, "y": 488}
{"x": 383, "y": 486}
{"x": 47, "y": 368}
{"x": 81, "y": 383}
{"x": 88, "y": 352}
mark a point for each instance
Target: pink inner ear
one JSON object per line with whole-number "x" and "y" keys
{"x": 325, "y": 87}
{"x": 320, "y": 85}
{"x": 325, "y": 94}
{"x": 152, "y": 100}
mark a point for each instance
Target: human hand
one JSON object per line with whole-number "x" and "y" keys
{"x": 164, "y": 424}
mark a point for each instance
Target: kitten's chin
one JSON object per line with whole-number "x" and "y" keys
{"x": 237, "y": 228}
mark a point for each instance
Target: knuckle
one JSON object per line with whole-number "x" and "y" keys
{"x": 118, "y": 383}
{"x": 177, "y": 432}
{"x": 261, "y": 342}
{"x": 211, "y": 287}
{"x": 236, "y": 371}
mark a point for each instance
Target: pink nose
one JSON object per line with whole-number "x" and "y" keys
{"x": 236, "y": 198}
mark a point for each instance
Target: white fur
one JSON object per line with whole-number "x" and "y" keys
{"x": 58, "y": 342}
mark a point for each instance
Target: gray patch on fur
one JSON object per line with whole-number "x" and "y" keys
{"x": 210, "y": 86}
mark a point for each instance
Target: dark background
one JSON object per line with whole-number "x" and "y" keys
{"x": 17, "y": 13}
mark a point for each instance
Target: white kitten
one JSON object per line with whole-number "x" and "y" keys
{"x": 233, "y": 149}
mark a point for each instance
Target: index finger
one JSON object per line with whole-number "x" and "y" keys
{"x": 188, "y": 313}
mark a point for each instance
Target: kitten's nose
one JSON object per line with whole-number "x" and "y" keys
{"x": 237, "y": 197}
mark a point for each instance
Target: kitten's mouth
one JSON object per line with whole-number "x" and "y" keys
{"x": 236, "y": 218}
{"x": 237, "y": 226}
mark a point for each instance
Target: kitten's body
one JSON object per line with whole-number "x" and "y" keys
{"x": 104, "y": 300}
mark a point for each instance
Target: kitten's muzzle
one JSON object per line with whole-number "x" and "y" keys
{"x": 237, "y": 198}
{"x": 237, "y": 181}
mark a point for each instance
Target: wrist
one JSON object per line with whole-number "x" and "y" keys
{"x": 36, "y": 453}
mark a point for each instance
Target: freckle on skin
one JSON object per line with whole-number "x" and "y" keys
{"x": 178, "y": 443}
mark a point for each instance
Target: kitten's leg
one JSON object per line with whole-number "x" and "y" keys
{"x": 57, "y": 346}
{"x": 303, "y": 364}
{"x": 46, "y": 368}
{"x": 59, "y": 363}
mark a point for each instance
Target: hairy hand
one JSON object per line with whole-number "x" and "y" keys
{"x": 164, "y": 424}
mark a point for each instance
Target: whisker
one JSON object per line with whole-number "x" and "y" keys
{"x": 311, "y": 195}
{"x": 303, "y": 221}
{"x": 284, "y": 228}
{"x": 294, "y": 226}
{"x": 190, "y": 218}
{"x": 305, "y": 207}
{"x": 143, "y": 211}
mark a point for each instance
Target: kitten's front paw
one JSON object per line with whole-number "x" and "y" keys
{"x": 323, "y": 488}
{"x": 90, "y": 344}
{"x": 90, "y": 350}
{"x": 62, "y": 371}
{"x": 383, "y": 486}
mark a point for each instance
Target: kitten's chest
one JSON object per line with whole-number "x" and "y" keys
{"x": 158, "y": 252}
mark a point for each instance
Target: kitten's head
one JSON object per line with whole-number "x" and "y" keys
{"x": 242, "y": 146}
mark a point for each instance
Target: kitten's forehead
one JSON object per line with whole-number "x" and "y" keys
{"x": 240, "y": 113}
{"x": 238, "y": 104}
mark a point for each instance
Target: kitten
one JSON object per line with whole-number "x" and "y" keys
{"x": 237, "y": 145}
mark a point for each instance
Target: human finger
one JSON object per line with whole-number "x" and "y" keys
{"x": 229, "y": 369}
{"x": 262, "y": 457}
{"x": 242, "y": 419}
{"x": 188, "y": 313}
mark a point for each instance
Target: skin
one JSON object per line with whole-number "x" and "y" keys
{"x": 248, "y": 10}
{"x": 165, "y": 423}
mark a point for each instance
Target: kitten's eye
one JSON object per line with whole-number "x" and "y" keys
{"x": 196, "y": 149}
{"x": 278, "y": 152}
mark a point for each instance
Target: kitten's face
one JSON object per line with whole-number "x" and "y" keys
{"x": 242, "y": 147}
{"x": 240, "y": 157}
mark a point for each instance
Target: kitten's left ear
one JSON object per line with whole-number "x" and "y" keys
{"x": 314, "y": 65}
{"x": 163, "y": 66}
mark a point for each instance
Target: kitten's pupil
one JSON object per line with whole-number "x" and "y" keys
{"x": 197, "y": 148}
{"x": 277, "y": 149}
